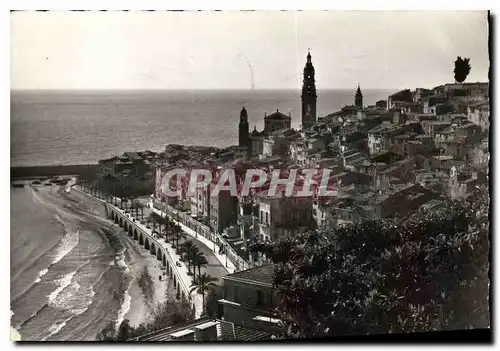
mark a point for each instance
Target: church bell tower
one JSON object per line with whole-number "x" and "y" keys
{"x": 308, "y": 96}
{"x": 243, "y": 129}
{"x": 358, "y": 98}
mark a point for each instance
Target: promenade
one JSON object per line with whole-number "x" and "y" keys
{"x": 221, "y": 249}
{"x": 216, "y": 266}
{"x": 209, "y": 246}
{"x": 219, "y": 264}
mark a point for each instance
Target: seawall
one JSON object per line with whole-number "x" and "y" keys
{"x": 181, "y": 281}
{"x": 51, "y": 171}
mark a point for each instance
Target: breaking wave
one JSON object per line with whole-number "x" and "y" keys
{"x": 67, "y": 243}
{"x": 56, "y": 328}
{"x": 125, "y": 307}
{"x": 41, "y": 274}
{"x": 63, "y": 282}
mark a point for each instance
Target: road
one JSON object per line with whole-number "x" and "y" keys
{"x": 214, "y": 268}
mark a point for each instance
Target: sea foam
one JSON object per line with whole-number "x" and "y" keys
{"x": 127, "y": 299}
{"x": 67, "y": 243}
{"x": 41, "y": 274}
{"x": 63, "y": 282}
{"x": 56, "y": 328}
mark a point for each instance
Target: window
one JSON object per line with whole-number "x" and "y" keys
{"x": 261, "y": 215}
{"x": 267, "y": 218}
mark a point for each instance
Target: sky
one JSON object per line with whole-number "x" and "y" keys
{"x": 233, "y": 50}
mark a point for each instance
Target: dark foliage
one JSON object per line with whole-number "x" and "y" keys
{"x": 124, "y": 331}
{"x": 169, "y": 313}
{"x": 147, "y": 286}
{"x": 462, "y": 69}
{"x": 213, "y": 308}
{"x": 108, "y": 333}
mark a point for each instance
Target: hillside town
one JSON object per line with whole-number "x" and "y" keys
{"x": 421, "y": 148}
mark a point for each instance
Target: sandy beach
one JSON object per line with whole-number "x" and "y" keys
{"x": 137, "y": 259}
{"x": 135, "y": 307}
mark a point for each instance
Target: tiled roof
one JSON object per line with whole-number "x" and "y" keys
{"x": 246, "y": 334}
{"x": 226, "y": 331}
{"x": 262, "y": 274}
{"x": 165, "y": 334}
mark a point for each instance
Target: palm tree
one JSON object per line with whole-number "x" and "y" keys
{"x": 131, "y": 208}
{"x": 462, "y": 69}
{"x": 148, "y": 220}
{"x": 178, "y": 234}
{"x": 138, "y": 206}
{"x": 191, "y": 257}
{"x": 167, "y": 228}
{"x": 199, "y": 260}
{"x": 202, "y": 284}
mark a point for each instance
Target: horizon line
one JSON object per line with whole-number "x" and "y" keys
{"x": 197, "y": 89}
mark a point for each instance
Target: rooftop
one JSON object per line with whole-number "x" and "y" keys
{"x": 263, "y": 275}
{"x": 226, "y": 331}
{"x": 278, "y": 115}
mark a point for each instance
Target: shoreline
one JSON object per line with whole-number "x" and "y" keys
{"x": 140, "y": 308}
{"x": 135, "y": 258}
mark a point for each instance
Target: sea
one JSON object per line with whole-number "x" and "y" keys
{"x": 69, "y": 274}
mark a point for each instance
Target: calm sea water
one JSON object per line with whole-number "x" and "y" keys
{"x": 51, "y": 128}
{"x": 68, "y": 276}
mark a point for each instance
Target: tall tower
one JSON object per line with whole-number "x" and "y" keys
{"x": 308, "y": 96}
{"x": 243, "y": 128}
{"x": 358, "y": 98}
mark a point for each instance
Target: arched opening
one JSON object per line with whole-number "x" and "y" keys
{"x": 164, "y": 261}
{"x": 136, "y": 237}
{"x": 141, "y": 240}
{"x": 158, "y": 255}
{"x": 112, "y": 215}
{"x": 153, "y": 249}
{"x": 130, "y": 230}
{"x": 125, "y": 226}
{"x": 121, "y": 222}
{"x": 116, "y": 219}
{"x": 146, "y": 243}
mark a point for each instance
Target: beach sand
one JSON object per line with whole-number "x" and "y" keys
{"x": 136, "y": 259}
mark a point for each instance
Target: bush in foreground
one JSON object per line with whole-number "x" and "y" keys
{"x": 425, "y": 272}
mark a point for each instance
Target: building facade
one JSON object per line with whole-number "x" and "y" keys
{"x": 249, "y": 298}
